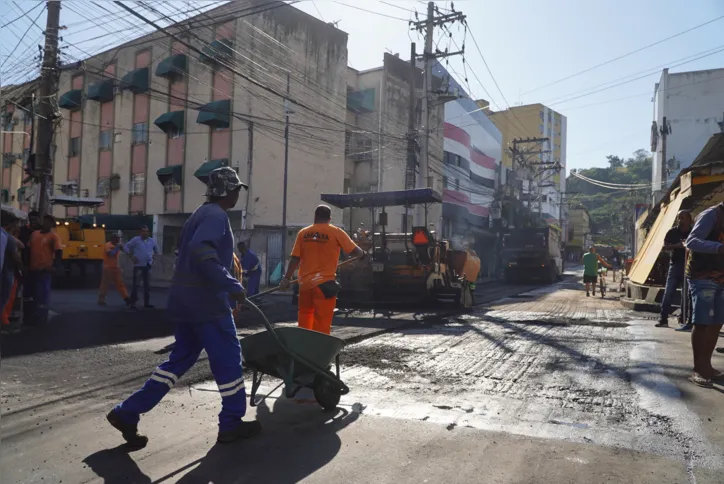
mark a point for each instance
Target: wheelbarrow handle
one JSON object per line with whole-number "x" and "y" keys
{"x": 296, "y": 281}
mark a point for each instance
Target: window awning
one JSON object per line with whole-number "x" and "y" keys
{"x": 135, "y": 81}
{"x": 171, "y": 173}
{"x": 5, "y": 195}
{"x": 215, "y": 114}
{"x": 203, "y": 172}
{"x": 71, "y": 100}
{"x": 168, "y": 122}
{"x": 101, "y": 91}
{"x": 217, "y": 51}
{"x": 646, "y": 258}
{"x": 173, "y": 66}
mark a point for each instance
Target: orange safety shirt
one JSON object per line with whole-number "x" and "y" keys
{"x": 110, "y": 260}
{"x": 317, "y": 247}
{"x": 42, "y": 250}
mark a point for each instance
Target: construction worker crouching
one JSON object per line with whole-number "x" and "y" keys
{"x": 199, "y": 304}
{"x": 316, "y": 253}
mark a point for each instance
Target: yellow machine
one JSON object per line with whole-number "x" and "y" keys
{"x": 82, "y": 244}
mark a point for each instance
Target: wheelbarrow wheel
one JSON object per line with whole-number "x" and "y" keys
{"x": 326, "y": 393}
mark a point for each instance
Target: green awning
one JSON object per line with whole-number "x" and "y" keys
{"x": 135, "y": 81}
{"x": 101, "y": 91}
{"x": 170, "y": 173}
{"x": 5, "y": 195}
{"x": 215, "y": 114}
{"x": 203, "y": 172}
{"x": 174, "y": 66}
{"x": 217, "y": 51}
{"x": 71, "y": 100}
{"x": 173, "y": 121}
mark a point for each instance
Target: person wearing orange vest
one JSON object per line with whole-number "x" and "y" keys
{"x": 316, "y": 253}
{"x": 112, "y": 272}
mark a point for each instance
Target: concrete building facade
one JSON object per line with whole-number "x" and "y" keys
{"x": 579, "y": 232}
{"x": 376, "y": 151}
{"x": 144, "y": 123}
{"x": 538, "y": 121}
{"x": 692, "y": 103}
{"x": 15, "y": 134}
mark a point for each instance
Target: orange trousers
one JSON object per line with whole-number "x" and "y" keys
{"x": 9, "y": 305}
{"x": 112, "y": 275}
{"x": 315, "y": 311}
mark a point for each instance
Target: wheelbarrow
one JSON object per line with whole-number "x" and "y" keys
{"x": 300, "y": 357}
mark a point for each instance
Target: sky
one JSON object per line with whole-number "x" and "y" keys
{"x": 529, "y": 45}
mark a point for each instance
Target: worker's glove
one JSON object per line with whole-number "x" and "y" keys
{"x": 284, "y": 284}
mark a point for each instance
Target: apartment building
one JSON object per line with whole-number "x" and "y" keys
{"x": 376, "y": 151}
{"x": 143, "y": 124}
{"x": 579, "y": 232}
{"x": 15, "y": 132}
{"x": 538, "y": 121}
{"x": 688, "y": 109}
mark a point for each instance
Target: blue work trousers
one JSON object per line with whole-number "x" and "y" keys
{"x": 674, "y": 280}
{"x": 218, "y": 338}
{"x": 40, "y": 282}
{"x": 252, "y": 284}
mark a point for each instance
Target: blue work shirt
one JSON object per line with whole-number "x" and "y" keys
{"x": 250, "y": 262}
{"x": 201, "y": 281}
{"x": 696, "y": 242}
{"x": 143, "y": 250}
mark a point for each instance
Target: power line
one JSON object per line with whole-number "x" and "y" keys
{"x": 22, "y": 37}
{"x": 371, "y": 11}
{"x": 624, "y": 55}
{"x": 22, "y": 16}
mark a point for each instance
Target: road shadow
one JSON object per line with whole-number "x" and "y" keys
{"x": 297, "y": 441}
{"x": 116, "y": 466}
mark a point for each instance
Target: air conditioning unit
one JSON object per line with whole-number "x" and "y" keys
{"x": 115, "y": 181}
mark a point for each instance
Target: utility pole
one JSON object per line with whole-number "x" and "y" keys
{"x": 49, "y": 76}
{"x": 427, "y": 26}
{"x": 287, "y": 112}
{"x": 411, "y": 131}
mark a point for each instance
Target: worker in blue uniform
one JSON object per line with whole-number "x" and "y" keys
{"x": 199, "y": 303}
{"x": 251, "y": 267}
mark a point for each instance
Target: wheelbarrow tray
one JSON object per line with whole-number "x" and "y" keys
{"x": 263, "y": 353}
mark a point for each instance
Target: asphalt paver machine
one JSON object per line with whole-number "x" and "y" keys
{"x": 410, "y": 266}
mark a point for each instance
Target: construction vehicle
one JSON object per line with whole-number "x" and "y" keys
{"x": 409, "y": 266}
{"x": 82, "y": 243}
{"x": 532, "y": 254}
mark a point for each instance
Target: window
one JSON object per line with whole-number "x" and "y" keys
{"x": 457, "y": 184}
{"x": 139, "y": 134}
{"x": 74, "y": 148}
{"x": 175, "y": 133}
{"x": 171, "y": 186}
{"x": 105, "y": 141}
{"x": 542, "y": 116}
{"x": 444, "y": 182}
{"x": 8, "y": 122}
{"x": 138, "y": 184}
{"x": 363, "y": 150}
{"x": 103, "y": 190}
{"x": 27, "y": 118}
{"x": 21, "y": 196}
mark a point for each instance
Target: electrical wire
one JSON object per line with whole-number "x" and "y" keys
{"x": 21, "y": 38}
{"x": 22, "y": 16}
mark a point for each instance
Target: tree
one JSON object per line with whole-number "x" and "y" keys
{"x": 614, "y": 162}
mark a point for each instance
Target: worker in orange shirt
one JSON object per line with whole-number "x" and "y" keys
{"x": 112, "y": 272}
{"x": 45, "y": 252}
{"x": 316, "y": 253}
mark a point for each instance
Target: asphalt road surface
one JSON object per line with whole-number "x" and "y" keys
{"x": 539, "y": 385}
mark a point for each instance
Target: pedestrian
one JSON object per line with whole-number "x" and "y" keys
{"x": 316, "y": 253}
{"x": 45, "y": 254}
{"x": 143, "y": 251}
{"x": 251, "y": 268}
{"x": 590, "y": 269}
{"x": 198, "y": 303}
{"x": 674, "y": 242}
{"x": 705, "y": 271}
{"x": 11, "y": 272}
{"x": 26, "y": 231}
{"x": 112, "y": 271}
